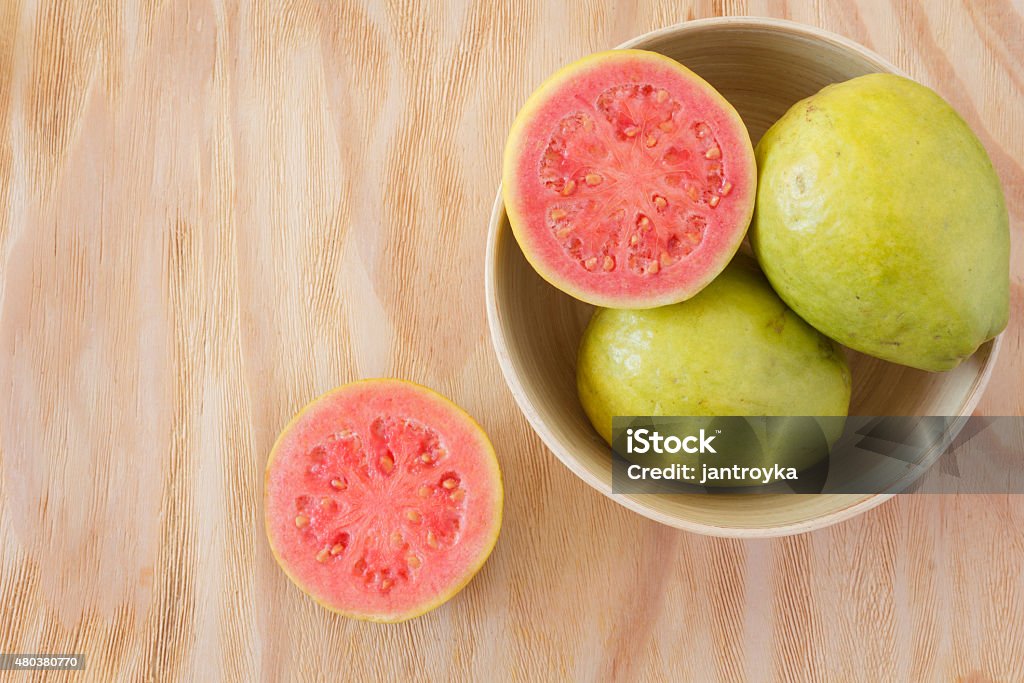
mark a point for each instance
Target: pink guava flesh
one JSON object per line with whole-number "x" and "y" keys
{"x": 382, "y": 499}
{"x": 629, "y": 181}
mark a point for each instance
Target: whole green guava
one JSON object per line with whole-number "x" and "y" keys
{"x": 734, "y": 349}
{"x": 880, "y": 220}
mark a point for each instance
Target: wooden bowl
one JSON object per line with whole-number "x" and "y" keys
{"x": 762, "y": 67}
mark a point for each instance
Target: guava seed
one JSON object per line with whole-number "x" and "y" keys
{"x": 675, "y": 156}
{"x": 301, "y": 521}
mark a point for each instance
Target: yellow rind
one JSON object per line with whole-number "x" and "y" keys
{"x": 515, "y": 142}
{"x": 471, "y": 571}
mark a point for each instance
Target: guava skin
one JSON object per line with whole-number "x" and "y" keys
{"x": 733, "y": 349}
{"x": 880, "y": 220}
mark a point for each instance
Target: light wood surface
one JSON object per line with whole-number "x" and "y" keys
{"x": 212, "y": 212}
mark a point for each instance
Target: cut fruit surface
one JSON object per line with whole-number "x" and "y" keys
{"x": 628, "y": 180}
{"x": 382, "y": 499}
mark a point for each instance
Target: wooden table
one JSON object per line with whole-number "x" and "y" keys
{"x": 212, "y": 212}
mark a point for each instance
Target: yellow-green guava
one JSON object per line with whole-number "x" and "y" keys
{"x": 734, "y": 349}
{"x": 881, "y": 221}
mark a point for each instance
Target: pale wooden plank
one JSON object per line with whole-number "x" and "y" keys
{"x": 212, "y": 211}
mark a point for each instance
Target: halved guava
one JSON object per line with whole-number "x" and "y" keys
{"x": 383, "y": 499}
{"x": 628, "y": 180}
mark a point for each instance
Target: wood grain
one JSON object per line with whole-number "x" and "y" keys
{"x": 213, "y": 211}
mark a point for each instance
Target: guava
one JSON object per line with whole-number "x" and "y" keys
{"x": 628, "y": 180}
{"x": 881, "y": 221}
{"x": 734, "y": 349}
{"x": 383, "y": 499}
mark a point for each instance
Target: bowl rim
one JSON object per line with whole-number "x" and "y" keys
{"x": 540, "y": 425}
{"x": 781, "y": 25}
